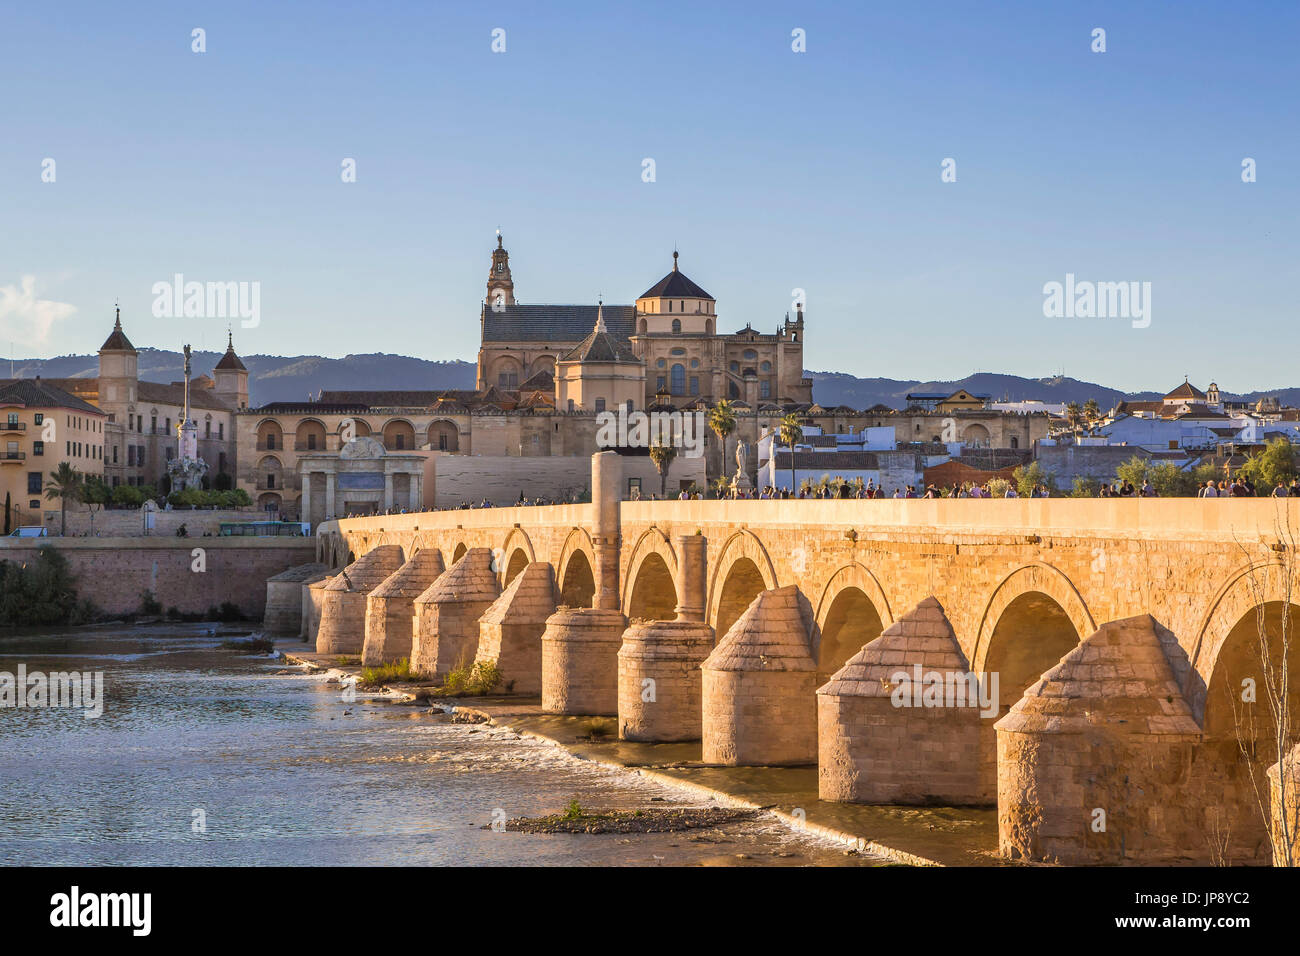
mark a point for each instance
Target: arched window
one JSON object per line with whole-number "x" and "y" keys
{"x": 766, "y": 366}
{"x": 661, "y": 364}
{"x": 679, "y": 379}
{"x": 735, "y": 367}
{"x": 677, "y": 326}
{"x": 750, "y": 355}
{"x": 695, "y": 363}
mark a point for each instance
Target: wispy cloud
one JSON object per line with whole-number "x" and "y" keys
{"x": 26, "y": 319}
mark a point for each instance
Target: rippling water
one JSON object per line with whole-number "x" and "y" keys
{"x": 286, "y": 772}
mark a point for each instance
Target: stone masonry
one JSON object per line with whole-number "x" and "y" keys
{"x": 882, "y": 739}
{"x": 343, "y": 611}
{"x": 1095, "y": 760}
{"x": 390, "y": 608}
{"x": 445, "y": 625}
{"x": 759, "y": 688}
{"x": 510, "y": 631}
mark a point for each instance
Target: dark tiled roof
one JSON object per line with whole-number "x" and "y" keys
{"x": 380, "y": 398}
{"x": 675, "y": 285}
{"x": 1132, "y": 408}
{"x": 1186, "y": 390}
{"x": 821, "y": 441}
{"x": 542, "y": 381}
{"x": 600, "y": 346}
{"x": 174, "y": 394}
{"x": 231, "y": 361}
{"x": 562, "y": 325}
{"x": 117, "y": 340}
{"x": 834, "y": 462}
{"x": 35, "y": 393}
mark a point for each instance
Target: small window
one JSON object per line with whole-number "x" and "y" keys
{"x": 695, "y": 385}
{"x": 600, "y": 404}
{"x": 695, "y": 363}
{"x": 40, "y": 418}
{"x": 633, "y": 486}
{"x": 661, "y": 364}
{"x": 679, "y": 351}
{"x": 33, "y": 482}
{"x": 38, "y": 448}
{"x": 766, "y": 367}
{"x": 677, "y": 326}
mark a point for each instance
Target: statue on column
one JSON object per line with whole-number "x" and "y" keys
{"x": 742, "y": 462}
{"x": 187, "y": 469}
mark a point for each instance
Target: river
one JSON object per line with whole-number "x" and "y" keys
{"x": 205, "y": 757}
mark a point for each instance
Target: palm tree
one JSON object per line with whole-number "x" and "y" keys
{"x": 722, "y": 419}
{"x": 65, "y": 484}
{"x": 791, "y": 434}
{"x": 1091, "y": 410}
{"x": 662, "y": 455}
{"x": 1073, "y": 415}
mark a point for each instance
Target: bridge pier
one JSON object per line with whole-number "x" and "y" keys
{"x": 343, "y": 610}
{"x": 1095, "y": 761}
{"x": 313, "y": 599}
{"x": 759, "y": 687}
{"x": 390, "y": 608}
{"x": 580, "y": 645}
{"x": 659, "y": 662}
{"x": 510, "y": 631}
{"x": 888, "y": 732}
{"x": 283, "y": 613}
{"x": 444, "y": 633}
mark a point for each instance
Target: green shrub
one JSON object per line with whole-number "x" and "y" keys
{"x": 387, "y": 673}
{"x": 41, "y": 591}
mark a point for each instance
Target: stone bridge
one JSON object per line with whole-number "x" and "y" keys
{"x": 1121, "y": 637}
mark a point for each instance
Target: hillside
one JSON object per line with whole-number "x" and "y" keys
{"x": 275, "y": 378}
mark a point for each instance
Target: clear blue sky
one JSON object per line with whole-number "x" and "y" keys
{"x": 775, "y": 170}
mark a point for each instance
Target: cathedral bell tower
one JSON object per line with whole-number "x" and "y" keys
{"x": 500, "y": 287}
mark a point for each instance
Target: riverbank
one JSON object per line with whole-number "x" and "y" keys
{"x": 918, "y": 836}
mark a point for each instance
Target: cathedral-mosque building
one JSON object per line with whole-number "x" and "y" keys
{"x": 544, "y": 373}
{"x": 671, "y": 331}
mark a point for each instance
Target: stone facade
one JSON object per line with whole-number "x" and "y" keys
{"x": 885, "y": 740}
{"x": 445, "y": 635}
{"x": 390, "y": 608}
{"x": 343, "y": 610}
{"x": 192, "y": 576}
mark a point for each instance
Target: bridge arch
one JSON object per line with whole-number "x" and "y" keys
{"x": 516, "y": 554}
{"x": 1234, "y": 699}
{"x": 576, "y": 569}
{"x": 851, "y": 612}
{"x": 649, "y": 589}
{"x": 1033, "y": 619}
{"x": 458, "y": 552}
{"x": 742, "y": 569}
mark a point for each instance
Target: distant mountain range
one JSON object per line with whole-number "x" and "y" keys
{"x": 297, "y": 378}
